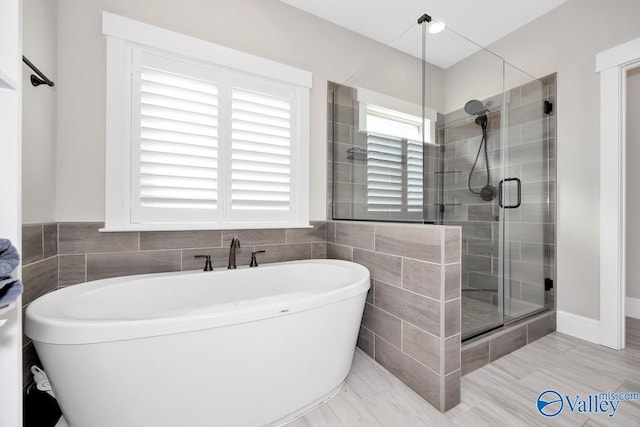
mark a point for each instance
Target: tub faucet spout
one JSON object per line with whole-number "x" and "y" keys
{"x": 235, "y": 243}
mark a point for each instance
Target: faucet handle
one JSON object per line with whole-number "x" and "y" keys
{"x": 207, "y": 264}
{"x": 254, "y": 262}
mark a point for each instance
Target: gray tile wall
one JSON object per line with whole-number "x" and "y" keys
{"x": 87, "y": 254}
{"x": 411, "y": 323}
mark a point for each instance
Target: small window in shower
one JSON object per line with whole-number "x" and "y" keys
{"x": 394, "y": 160}
{"x": 394, "y": 155}
{"x": 382, "y": 144}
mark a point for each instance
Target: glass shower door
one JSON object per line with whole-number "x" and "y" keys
{"x": 526, "y": 194}
{"x": 498, "y": 185}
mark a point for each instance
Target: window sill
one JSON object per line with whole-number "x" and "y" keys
{"x": 198, "y": 227}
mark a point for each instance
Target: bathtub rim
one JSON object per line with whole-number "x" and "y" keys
{"x": 70, "y": 331}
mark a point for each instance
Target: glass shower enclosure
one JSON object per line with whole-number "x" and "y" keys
{"x": 455, "y": 136}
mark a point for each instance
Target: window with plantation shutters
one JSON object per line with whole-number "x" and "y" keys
{"x": 261, "y": 163}
{"x": 174, "y": 141}
{"x": 200, "y": 136}
{"x": 394, "y": 161}
{"x": 384, "y": 174}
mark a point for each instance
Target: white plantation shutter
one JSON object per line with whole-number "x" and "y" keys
{"x": 384, "y": 174}
{"x": 262, "y": 129}
{"x": 394, "y": 160}
{"x": 175, "y": 141}
{"x": 415, "y": 176}
{"x": 394, "y": 174}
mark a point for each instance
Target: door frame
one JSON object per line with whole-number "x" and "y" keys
{"x": 613, "y": 65}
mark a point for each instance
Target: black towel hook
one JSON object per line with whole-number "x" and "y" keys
{"x": 41, "y": 78}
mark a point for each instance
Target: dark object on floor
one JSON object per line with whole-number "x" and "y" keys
{"x": 40, "y": 409}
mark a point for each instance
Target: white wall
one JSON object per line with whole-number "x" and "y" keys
{"x": 40, "y": 22}
{"x": 565, "y": 41}
{"x": 633, "y": 178}
{"x": 267, "y": 28}
{"x": 480, "y": 76}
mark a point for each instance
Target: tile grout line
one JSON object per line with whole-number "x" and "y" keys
{"x": 58, "y": 252}
{"x": 42, "y": 240}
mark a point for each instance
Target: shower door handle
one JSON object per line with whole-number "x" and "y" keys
{"x": 519, "y": 192}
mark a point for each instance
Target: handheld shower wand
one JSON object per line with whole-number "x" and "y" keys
{"x": 477, "y": 108}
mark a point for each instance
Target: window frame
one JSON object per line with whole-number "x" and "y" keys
{"x": 123, "y": 36}
{"x": 376, "y": 104}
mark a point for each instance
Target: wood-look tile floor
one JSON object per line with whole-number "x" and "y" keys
{"x": 503, "y": 393}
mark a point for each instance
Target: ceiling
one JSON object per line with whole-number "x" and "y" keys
{"x": 394, "y": 22}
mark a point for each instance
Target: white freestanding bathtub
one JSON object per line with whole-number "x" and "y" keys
{"x": 247, "y": 347}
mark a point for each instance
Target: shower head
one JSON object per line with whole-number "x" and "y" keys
{"x": 475, "y": 107}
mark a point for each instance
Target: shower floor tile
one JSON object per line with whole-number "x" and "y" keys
{"x": 478, "y": 315}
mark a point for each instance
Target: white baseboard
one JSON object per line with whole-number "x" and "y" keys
{"x": 632, "y": 307}
{"x": 577, "y": 326}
